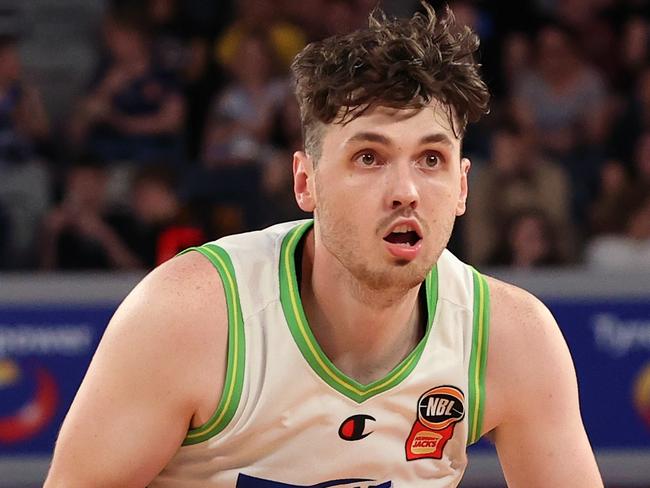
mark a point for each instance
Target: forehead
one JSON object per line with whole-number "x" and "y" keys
{"x": 403, "y": 127}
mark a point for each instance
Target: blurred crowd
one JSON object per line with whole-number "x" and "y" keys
{"x": 185, "y": 131}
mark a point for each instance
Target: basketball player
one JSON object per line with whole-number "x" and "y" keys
{"x": 351, "y": 350}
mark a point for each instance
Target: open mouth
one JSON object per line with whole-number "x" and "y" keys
{"x": 404, "y": 236}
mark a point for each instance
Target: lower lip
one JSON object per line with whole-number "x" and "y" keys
{"x": 406, "y": 252}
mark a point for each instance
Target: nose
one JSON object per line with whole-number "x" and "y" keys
{"x": 402, "y": 190}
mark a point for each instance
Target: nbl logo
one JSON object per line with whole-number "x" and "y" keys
{"x": 439, "y": 410}
{"x": 440, "y": 407}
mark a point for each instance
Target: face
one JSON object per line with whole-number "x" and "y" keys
{"x": 385, "y": 193}
{"x": 251, "y": 64}
{"x": 153, "y": 201}
{"x": 528, "y": 238}
{"x": 555, "y": 52}
{"x": 86, "y": 188}
{"x": 124, "y": 43}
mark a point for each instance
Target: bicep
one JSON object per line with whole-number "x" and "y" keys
{"x": 540, "y": 438}
{"x": 137, "y": 400}
{"x": 544, "y": 443}
{"x": 119, "y": 429}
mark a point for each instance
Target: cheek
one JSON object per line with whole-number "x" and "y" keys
{"x": 344, "y": 213}
{"x": 440, "y": 198}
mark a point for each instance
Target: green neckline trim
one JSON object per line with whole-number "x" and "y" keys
{"x": 478, "y": 357}
{"x": 309, "y": 347}
{"x": 232, "y": 388}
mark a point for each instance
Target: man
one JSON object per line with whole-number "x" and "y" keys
{"x": 348, "y": 351}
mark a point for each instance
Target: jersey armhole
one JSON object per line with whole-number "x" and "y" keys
{"x": 478, "y": 357}
{"x": 234, "y": 379}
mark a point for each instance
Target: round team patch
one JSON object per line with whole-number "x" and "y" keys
{"x": 440, "y": 407}
{"x": 438, "y": 411}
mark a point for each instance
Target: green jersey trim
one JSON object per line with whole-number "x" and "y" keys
{"x": 232, "y": 388}
{"x": 478, "y": 357}
{"x": 309, "y": 347}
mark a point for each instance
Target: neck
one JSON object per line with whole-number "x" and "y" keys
{"x": 364, "y": 332}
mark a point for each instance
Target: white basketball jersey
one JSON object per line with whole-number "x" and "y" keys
{"x": 289, "y": 418}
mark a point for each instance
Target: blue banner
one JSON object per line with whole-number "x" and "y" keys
{"x": 610, "y": 344}
{"x": 44, "y": 354}
{"x": 45, "y": 351}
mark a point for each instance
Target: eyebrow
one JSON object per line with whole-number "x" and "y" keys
{"x": 369, "y": 137}
{"x": 438, "y": 137}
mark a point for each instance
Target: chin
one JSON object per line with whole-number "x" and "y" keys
{"x": 400, "y": 275}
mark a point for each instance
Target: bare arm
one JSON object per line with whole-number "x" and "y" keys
{"x": 142, "y": 392}
{"x": 532, "y": 397}
{"x": 168, "y": 119}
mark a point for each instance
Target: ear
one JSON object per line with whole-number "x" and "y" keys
{"x": 303, "y": 176}
{"x": 465, "y": 165}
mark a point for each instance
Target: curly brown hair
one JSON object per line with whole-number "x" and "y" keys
{"x": 396, "y": 63}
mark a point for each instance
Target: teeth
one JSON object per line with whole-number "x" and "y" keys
{"x": 402, "y": 229}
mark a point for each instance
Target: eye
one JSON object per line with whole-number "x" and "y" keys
{"x": 367, "y": 158}
{"x": 430, "y": 160}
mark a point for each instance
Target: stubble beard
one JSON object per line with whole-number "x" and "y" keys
{"x": 339, "y": 237}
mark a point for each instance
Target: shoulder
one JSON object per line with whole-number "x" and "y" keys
{"x": 178, "y": 308}
{"x": 521, "y": 325}
{"x": 162, "y": 351}
{"x": 532, "y": 410}
{"x": 528, "y": 358}
{"x": 513, "y": 308}
{"x": 174, "y": 328}
{"x": 186, "y": 280}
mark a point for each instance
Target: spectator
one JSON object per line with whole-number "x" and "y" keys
{"x": 237, "y": 146}
{"x": 613, "y": 201}
{"x": 176, "y": 48}
{"x": 634, "y": 52}
{"x": 163, "y": 227}
{"x": 528, "y": 241}
{"x": 309, "y": 15}
{"x": 133, "y": 112}
{"x": 629, "y": 251}
{"x": 514, "y": 60}
{"x": 593, "y": 33}
{"x": 239, "y": 125}
{"x": 277, "y": 182}
{"x": 285, "y": 39}
{"x": 622, "y": 194}
{"x": 517, "y": 177}
{"x": 562, "y": 100}
{"x": 24, "y": 179}
{"x": 341, "y": 17}
{"x": 82, "y": 232}
{"x": 633, "y": 121}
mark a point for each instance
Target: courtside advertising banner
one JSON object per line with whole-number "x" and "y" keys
{"x": 45, "y": 351}
{"x": 610, "y": 345}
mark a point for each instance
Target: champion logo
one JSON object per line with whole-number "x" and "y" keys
{"x": 353, "y": 428}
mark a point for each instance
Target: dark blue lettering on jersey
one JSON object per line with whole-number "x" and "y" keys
{"x": 244, "y": 481}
